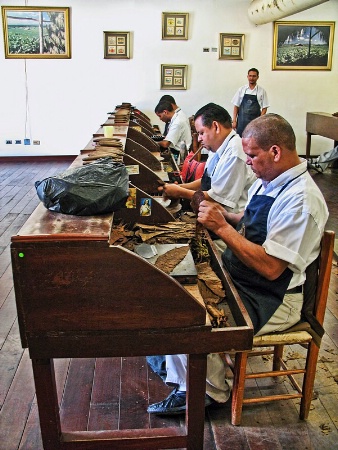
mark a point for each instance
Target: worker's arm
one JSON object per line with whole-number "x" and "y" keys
{"x": 213, "y": 217}
{"x": 164, "y": 143}
{"x": 234, "y": 117}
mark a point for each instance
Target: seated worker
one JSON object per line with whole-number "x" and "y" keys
{"x": 276, "y": 237}
{"x": 170, "y": 99}
{"x": 226, "y": 178}
{"x": 179, "y": 132}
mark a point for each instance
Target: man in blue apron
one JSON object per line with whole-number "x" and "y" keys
{"x": 250, "y": 102}
{"x": 226, "y": 178}
{"x": 269, "y": 245}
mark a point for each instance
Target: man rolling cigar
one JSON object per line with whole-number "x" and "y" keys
{"x": 269, "y": 246}
{"x": 226, "y": 178}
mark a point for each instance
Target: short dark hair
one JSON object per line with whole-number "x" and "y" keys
{"x": 271, "y": 129}
{"x": 162, "y": 106}
{"x": 253, "y": 69}
{"x": 167, "y": 98}
{"x": 212, "y": 112}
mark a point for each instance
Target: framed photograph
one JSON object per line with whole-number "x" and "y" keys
{"x": 231, "y": 46}
{"x": 302, "y": 45}
{"x": 116, "y": 44}
{"x": 32, "y": 32}
{"x": 173, "y": 76}
{"x": 175, "y": 25}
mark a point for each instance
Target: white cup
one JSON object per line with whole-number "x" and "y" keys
{"x": 108, "y": 131}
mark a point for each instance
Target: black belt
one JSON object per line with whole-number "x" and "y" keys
{"x": 295, "y": 290}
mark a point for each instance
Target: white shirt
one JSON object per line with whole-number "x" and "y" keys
{"x": 296, "y": 220}
{"x": 230, "y": 176}
{"x": 262, "y": 97}
{"x": 179, "y": 130}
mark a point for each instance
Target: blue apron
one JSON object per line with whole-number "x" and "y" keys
{"x": 248, "y": 110}
{"x": 260, "y": 296}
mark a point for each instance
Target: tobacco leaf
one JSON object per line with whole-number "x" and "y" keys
{"x": 169, "y": 260}
{"x": 210, "y": 278}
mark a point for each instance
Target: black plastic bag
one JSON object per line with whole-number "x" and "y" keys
{"x": 96, "y": 188}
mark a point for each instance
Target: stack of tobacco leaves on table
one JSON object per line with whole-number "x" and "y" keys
{"x": 167, "y": 233}
{"x": 120, "y": 116}
{"x": 104, "y": 147}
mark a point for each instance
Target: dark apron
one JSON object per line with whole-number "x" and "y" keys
{"x": 248, "y": 110}
{"x": 206, "y": 179}
{"x": 260, "y": 296}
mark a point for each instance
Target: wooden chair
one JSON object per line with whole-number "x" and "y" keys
{"x": 307, "y": 333}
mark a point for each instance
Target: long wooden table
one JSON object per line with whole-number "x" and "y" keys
{"x": 80, "y": 297}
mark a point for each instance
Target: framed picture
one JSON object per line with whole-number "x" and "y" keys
{"x": 175, "y": 25}
{"x": 173, "y": 76}
{"x": 302, "y": 45}
{"x": 116, "y": 44}
{"x": 32, "y": 32}
{"x": 231, "y": 46}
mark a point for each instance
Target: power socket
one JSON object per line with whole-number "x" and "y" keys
{"x": 18, "y": 141}
{"x": 36, "y": 142}
{"x": 9, "y": 141}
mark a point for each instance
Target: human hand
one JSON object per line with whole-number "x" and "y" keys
{"x": 171, "y": 190}
{"x": 211, "y": 215}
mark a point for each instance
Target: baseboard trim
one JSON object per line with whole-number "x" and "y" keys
{"x": 69, "y": 158}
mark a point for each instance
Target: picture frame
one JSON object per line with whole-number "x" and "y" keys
{"x": 231, "y": 46}
{"x": 302, "y": 45}
{"x": 173, "y": 76}
{"x": 175, "y": 25}
{"x": 34, "y": 32}
{"x": 116, "y": 44}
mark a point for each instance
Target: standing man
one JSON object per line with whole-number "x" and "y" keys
{"x": 226, "y": 178}
{"x": 250, "y": 101}
{"x": 269, "y": 246}
{"x": 179, "y": 132}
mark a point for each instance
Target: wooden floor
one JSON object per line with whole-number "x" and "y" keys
{"x": 114, "y": 393}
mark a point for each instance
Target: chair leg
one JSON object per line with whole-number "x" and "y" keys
{"x": 309, "y": 379}
{"x": 277, "y": 356}
{"x": 238, "y": 387}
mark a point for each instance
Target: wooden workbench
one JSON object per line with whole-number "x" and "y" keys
{"x": 322, "y": 124}
{"x": 78, "y": 296}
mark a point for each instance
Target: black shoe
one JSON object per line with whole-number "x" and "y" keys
{"x": 174, "y": 404}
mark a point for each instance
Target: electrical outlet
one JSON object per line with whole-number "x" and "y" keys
{"x": 18, "y": 141}
{"x": 214, "y": 49}
{"x": 9, "y": 141}
{"x": 206, "y": 49}
{"x": 27, "y": 141}
{"x": 35, "y": 142}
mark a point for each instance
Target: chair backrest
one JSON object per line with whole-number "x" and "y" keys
{"x": 317, "y": 285}
{"x": 325, "y": 267}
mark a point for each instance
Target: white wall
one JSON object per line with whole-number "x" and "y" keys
{"x": 68, "y": 99}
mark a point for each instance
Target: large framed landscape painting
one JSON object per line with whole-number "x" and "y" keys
{"x": 33, "y": 32}
{"x": 302, "y": 45}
